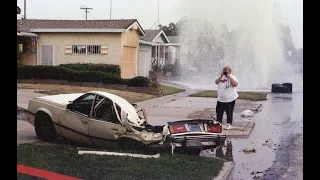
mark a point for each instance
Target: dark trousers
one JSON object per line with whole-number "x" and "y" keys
{"x": 225, "y": 107}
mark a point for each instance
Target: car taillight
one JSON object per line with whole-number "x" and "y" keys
{"x": 214, "y": 128}
{"x": 178, "y": 128}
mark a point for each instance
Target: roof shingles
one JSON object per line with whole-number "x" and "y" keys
{"x": 74, "y": 24}
{"x": 150, "y": 35}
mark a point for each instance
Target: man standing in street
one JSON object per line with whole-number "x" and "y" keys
{"x": 227, "y": 95}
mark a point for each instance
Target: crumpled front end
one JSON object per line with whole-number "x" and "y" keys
{"x": 148, "y": 134}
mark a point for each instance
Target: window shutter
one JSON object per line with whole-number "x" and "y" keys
{"x": 104, "y": 49}
{"x": 68, "y": 49}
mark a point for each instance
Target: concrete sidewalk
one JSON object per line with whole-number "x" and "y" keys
{"x": 181, "y": 107}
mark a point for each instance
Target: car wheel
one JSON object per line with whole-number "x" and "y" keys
{"x": 44, "y": 127}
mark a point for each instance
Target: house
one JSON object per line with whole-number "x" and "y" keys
{"x": 55, "y": 42}
{"x": 152, "y": 51}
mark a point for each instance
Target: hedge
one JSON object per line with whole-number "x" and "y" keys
{"x": 63, "y": 73}
{"x": 106, "y": 68}
{"x": 138, "y": 81}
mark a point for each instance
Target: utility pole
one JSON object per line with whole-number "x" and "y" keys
{"x": 110, "y": 8}
{"x": 158, "y": 14}
{"x": 25, "y": 10}
{"x": 86, "y": 11}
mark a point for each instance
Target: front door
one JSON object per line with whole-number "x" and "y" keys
{"x": 104, "y": 126}
{"x": 46, "y": 55}
{"x": 74, "y": 121}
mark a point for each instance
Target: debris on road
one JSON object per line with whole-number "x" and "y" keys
{"x": 259, "y": 108}
{"x": 249, "y": 150}
{"x": 247, "y": 113}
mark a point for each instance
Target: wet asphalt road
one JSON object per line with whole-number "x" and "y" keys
{"x": 277, "y": 139}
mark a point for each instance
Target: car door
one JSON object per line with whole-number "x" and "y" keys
{"x": 104, "y": 126}
{"x": 74, "y": 121}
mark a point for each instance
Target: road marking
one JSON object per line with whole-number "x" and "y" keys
{"x": 42, "y": 173}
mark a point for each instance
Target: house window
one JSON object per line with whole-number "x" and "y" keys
{"x": 94, "y": 49}
{"x": 86, "y": 49}
{"x": 79, "y": 49}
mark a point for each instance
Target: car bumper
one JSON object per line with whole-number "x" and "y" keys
{"x": 198, "y": 141}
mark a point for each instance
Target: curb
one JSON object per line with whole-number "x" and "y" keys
{"x": 226, "y": 171}
{"x": 245, "y": 134}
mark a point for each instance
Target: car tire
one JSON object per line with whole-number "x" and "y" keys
{"x": 44, "y": 127}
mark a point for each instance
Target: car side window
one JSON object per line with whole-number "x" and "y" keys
{"x": 83, "y": 104}
{"x": 104, "y": 111}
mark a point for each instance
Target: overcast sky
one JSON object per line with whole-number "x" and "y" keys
{"x": 146, "y": 11}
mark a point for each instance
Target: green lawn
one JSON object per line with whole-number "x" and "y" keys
{"x": 252, "y": 96}
{"x": 167, "y": 90}
{"x": 65, "y": 160}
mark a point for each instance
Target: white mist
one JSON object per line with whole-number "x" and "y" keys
{"x": 257, "y": 57}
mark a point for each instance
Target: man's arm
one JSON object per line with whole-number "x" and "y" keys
{"x": 233, "y": 82}
{"x": 218, "y": 79}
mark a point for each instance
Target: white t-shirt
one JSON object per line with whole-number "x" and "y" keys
{"x": 226, "y": 92}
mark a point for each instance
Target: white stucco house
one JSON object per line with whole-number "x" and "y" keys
{"x": 157, "y": 49}
{"x": 55, "y": 42}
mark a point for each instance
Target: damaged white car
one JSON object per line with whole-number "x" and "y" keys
{"x": 96, "y": 118}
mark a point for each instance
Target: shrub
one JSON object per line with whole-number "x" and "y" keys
{"x": 138, "y": 81}
{"x": 106, "y": 68}
{"x": 63, "y": 73}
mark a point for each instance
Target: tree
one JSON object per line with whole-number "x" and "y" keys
{"x": 174, "y": 29}
{"x": 170, "y": 30}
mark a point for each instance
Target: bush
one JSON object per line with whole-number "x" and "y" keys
{"x": 106, "y": 68}
{"x": 63, "y": 73}
{"x": 138, "y": 81}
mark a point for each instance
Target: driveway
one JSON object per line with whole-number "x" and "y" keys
{"x": 25, "y": 131}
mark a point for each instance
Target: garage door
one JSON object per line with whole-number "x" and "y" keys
{"x": 129, "y": 63}
{"x": 143, "y": 63}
